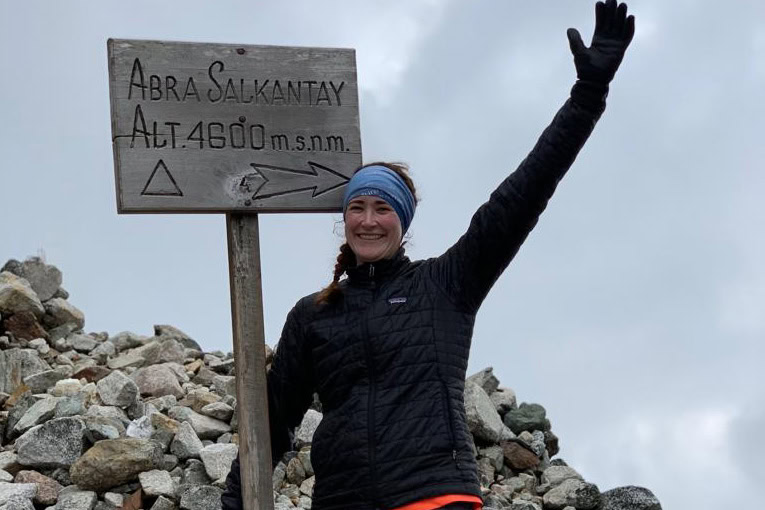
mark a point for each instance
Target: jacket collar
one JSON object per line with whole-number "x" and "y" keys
{"x": 379, "y": 270}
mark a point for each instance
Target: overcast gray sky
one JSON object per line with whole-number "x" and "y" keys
{"x": 634, "y": 312}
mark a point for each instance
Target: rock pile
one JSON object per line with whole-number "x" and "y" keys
{"x": 92, "y": 421}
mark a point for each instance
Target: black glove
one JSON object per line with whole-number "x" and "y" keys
{"x": 613, "y": 33}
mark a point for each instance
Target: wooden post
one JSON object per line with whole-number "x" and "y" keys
{"x": 250, "y": 361}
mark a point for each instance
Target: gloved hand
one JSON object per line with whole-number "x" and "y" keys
{"x": 613, "y": 33}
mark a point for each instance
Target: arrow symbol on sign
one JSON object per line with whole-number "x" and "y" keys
{"x": 273, "y": 181}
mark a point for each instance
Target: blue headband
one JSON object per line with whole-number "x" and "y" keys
{"x": 380, "y": 181}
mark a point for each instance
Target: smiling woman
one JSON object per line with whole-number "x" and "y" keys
{"x": 387, "y": 347}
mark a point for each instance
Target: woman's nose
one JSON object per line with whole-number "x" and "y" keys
{"x": 369, "y": 217}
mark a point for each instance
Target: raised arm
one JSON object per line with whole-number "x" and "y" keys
{"x": 471, "y": 266}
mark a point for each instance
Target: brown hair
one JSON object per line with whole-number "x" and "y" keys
{"x": 347, "y": 258}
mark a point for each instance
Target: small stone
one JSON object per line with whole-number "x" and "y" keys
{"x": 59, "y": 312}
{"x": 5, "y": 476}
{"x": 72, "y": 498}
{"x": 16, "y": 295}
{"x": 157, "y": 483}
{"x": 186, "y": 443}
{"x": 482, "y": 418}
{"x": 82, "y": 343}
{"x": 217, "y": 459}
{"x": 629, "y": 498}
{"x": 157, "y": 380}
{"x": 572, "y": 492}
{"x": 504, "y": 400}
{"x": 115, "y": 461}
{"x": 204, "y": 426}
{"x": 117, "y": 389}
{"x": 305, "y": 458}
{"x": 43, "y": 278}
{"x": 55, "y": 443}
{"x": 555, "y": 475}
{"x": 114, "y": 498}
{"x": 307, "y": 486}
{"x": 140, "y": 428}
{"x": 486, "y": 380}
{"x": 20, "y": 490}
{"x": 163, "y": 503}
{"x": 205, "y": 497}
{"x": 47, "y": 488}
{"x": 518, "y": 457}
{"x": 164, "y": 330}
{"x": 528, "y": 417}
{"x": 24, "y": 325}
{"x": 41, "y": 411}
{"x": 66, "y": 388}
{"x": 218, "y": 410}
{"x": 304, "y": 433}
{"x": 18, "y": 364}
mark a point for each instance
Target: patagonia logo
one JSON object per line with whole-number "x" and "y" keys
{"x": 395, "y": 300}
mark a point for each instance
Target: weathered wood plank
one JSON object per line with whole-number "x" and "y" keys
{"x": 250, "y": 361}
{"x": 191, "y": 119}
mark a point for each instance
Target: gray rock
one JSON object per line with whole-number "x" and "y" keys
{"x": 163, "y": 403}
{"x": 171, "y": 351}
{"x": 307, "y": 486}
{"x": 69, "y": 406}
{"x": 195, "y": 473}
{"x": 17, "y": 490}
{"x": 170, "y": 462}
{"x": 40, "y": 345}
{"x": 205, "y": 497}
{"x": 61, "y": 332}
{"x": 72, "y": 498}
{"x": 278, "y": 475}
{"x": 5, "y": 476}
{"x": 157, "y": 380}
{"x": 186, "y": 443}
{"x": 527, "y": 417}
{"x": 224, "y": 385}
{"x": 113, "y": 462}
{"x": 503, "y": 400}
{"x": 127, "y": 340}
{"x": 164, "y": 330}
{"x": 555, "y": 475}
{"x": 44, "y": 279}
{"x": 163, "y": 503}
{"x": 114, "y": 498}
{"x": 82, "y": 343}
{"x": 55, "y": 443}
{"x": 629, "y": 498}
{"x": 218, "y": 410}
{"x": 140, "y": 428}
{"x": 304, "y": 433}
{"x": 128, "y": 359}
{"x": 66, "y": 388}
{"x": 204, "y": 426}
{"x": 572, "y": 492}
{"x": 9, "y": 461}
{"x": 16, "y": 295}
{"x": 494, "y": 454}
{"x": 18, "y": 503}
{"x": 103, "y": 351}
{"x": 205, "y": 376}
{"x": 42, "y": 381}
{"x": 305, "y": 458}
{"x": 48, "y": 489}
{"x": 60, "y": 311}
{"x": 117, "y": 389}
{"x": 41, "y": 411}
{"x": 524, "y": 505}
{"x": 157, "y": 483}
{"x": 217, "y": 459}
{"x": 482, "y": 418}
{"x": 18, "y": 364}
{"x": 23, "y": 402}
{"x": 485, "y": 379}
{"x": 109, "y": 412}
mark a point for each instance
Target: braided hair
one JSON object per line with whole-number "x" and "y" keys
{"x": 346, "y": 258}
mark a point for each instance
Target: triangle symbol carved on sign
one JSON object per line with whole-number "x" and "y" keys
{"x": 161, "y": 182}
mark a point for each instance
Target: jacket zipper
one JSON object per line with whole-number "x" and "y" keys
{"x": 451, "y": 425}
{"x": 372, "y": 391}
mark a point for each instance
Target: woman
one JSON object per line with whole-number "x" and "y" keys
{"x": 387, "y": 347}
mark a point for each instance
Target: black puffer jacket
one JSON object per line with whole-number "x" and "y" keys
{"x": 388, "y": 360}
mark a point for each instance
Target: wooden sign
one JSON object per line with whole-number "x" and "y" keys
{"x": 227, "y": 128}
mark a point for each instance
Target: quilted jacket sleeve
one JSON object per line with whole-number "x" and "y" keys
{"x": 470, "y": 267}
{"x": 290, "y": 393}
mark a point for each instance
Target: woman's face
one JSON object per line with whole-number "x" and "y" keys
{"x": 372, "y": 229}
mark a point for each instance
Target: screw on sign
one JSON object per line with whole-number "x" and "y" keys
{"x": 240, "y": 130}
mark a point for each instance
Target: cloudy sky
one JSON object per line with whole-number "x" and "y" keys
{"x": 634, "y": 312}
